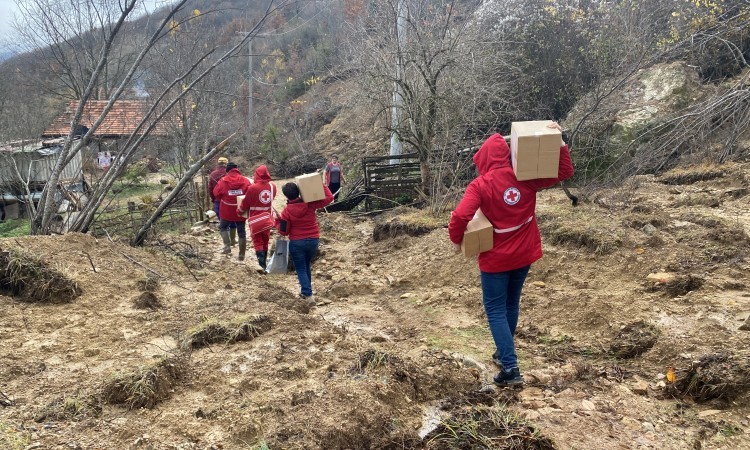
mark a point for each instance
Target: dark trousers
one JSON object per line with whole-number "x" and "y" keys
{"x": 334, "y": 187}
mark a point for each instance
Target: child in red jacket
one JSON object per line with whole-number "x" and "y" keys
{"x": 298, "y": 221}
{"x": 509, "y": 205}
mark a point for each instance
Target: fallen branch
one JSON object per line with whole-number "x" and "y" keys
{"x": 153, "y": 271}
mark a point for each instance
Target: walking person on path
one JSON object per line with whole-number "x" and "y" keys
{"x": 213, "y": 179}
{"x": 334, "y": 176}
{"x": 298, "y": 221}
{"x": 260, "y": 214}
{"x": 509, "y": 205}
{"x": 229, "y": 187}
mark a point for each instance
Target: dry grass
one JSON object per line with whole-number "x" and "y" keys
{"x": 634, "y": 339}
{"x": 406, "y": 221}
{"x": 12, "y": 438}
{"x": 371, "y": 359}
{"x": 690, "y": 175}
{"x": 148, "y": 386}
{"x": 147, "y": 300}
{"x": 150, "y": 283}
{"x": 713, "y": 376}
{"x": 212, "y": 331}
{"x": 30, "y": 279}
{"x": 487, "y": 427}
{"x": 581, "y": 228}
{"x": 70, "y": 407}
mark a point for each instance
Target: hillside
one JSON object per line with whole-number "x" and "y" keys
{"x": 399, "y": 358}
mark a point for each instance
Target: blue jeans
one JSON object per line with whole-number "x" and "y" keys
{"x": 216, "y": 210}
{"x": 302, "y": 252}
{"x": 501, "y": 294}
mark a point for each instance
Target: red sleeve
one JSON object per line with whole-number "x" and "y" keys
{"x": 564, "y": 171}
{"x": 322, "y": 203}
{"x": 218, "y": 190}
{"x": 464, "y": 212}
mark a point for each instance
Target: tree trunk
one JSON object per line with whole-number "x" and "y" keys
{"x": 141, "y": 235}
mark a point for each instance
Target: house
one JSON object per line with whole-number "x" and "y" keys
{"x": 28, "y": 165}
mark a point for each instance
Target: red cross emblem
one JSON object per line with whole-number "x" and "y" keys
{"x": 512, "y": 196}
{"x": 265, "y": 196}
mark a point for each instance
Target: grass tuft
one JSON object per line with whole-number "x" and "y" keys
{"x": 31, "y": 279}
{"x": 147, "y": 386}
{"x": 213, "y": 331}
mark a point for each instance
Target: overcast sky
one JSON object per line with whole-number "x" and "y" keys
{"x": 8, "y": 9}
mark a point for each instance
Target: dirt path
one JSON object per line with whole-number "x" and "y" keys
{"x": 403, "y": 345}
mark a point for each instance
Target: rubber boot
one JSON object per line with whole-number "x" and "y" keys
{"x": 233, "y": 237}
{"x": 225, "y": 237}
{"x": 262, "y": 258}
{"x": 243, "y": 247}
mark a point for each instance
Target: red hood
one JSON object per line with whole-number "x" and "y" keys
{"x": 493, "y": 154}
{"x": 261, "y": 175}
{"x": 234, "y": 177}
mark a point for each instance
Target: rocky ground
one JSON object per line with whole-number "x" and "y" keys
{"x": 633, "y": 334}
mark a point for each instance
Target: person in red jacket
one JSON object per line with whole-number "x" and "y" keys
{"x": 258, "y": 204}
{"x": 298, "y": 221}
{"x": 213, "y": 178}
{"x": 509, "y": 205}
{"x": 226, "y": 191}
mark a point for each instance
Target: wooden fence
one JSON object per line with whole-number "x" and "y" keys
{"x": 388, "y": 183}
{"x": 126, "y": 222}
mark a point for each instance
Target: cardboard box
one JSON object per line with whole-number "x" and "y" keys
{"x": 479, "y": 235}
{"x": 239, "y": 202}
{"x": 535, "y": 149}
{"x": 310, "y": 187}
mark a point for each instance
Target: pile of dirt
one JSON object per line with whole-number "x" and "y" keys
{"x": 405, "y": 221}
{"x": 30, "y": 279}
{"x": 690, "y": 175}
{"x": 148, "y": 386}
{"x": 213, "y": 331}
{"x": 634, "y": 339}
{"x": 713, "y": 376}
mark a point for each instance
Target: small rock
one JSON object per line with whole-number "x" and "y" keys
{"x": 588, "y": 405}
{"x": 709, "y": 412}
{"x": 660, "y": 277}
{"x": 649, "y": 229}
{"x": 407, "y": 295}
{"x": 471, "y": 362}
{"x": 539, "y": 376}
{"x": 530, "y": 414}
{"x": 648, "y": 427}
{"x": 640, "y": 387}
{"x": 661, "y": 384}
{"x": 745, "y": 326}
{"x": 539, "y": 284}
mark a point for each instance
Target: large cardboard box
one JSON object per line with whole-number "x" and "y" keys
{"x": 239, "y": 202}
{"x": 535, "y": 149}
{"x": 310, "y": 187}
{"x": 479, "y": 235}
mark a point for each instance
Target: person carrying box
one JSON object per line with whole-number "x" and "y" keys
{"x": 298, "y": 221}
{"x": 509, "y": 205}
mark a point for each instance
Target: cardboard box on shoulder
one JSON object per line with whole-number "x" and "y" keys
{"x": 479, "y": 235}
{"x": 535, "y": 149}
{"x": 239, "y": 202}
{"x": 310, "y": 187}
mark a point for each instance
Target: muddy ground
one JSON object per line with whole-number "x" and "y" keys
{"x": 631, "y": 336}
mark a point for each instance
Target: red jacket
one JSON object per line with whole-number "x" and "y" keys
{"x": 213, "y": 179}
{"x": 509, "y": 205}
{"x": 226, "y": 192}
{"x": 258, "y": 201}
{"x": 298, "y": 219}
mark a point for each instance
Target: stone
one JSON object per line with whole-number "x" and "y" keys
{"x": 660, "y": 277}
{"x": 745, "y": 326}
{"x": 538, "y": 375}
{"x": 407, "y": 295}
{"x": 649, "y": 229}
{"x": 709, "y": 412}
{"x": 588, "y": 405}
{"x": 648, "y": 427}
{"x": 539, "y": 284}
{"x": 640, "y": 387}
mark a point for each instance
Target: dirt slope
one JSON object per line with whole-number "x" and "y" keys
{"x": 403, "y": 343}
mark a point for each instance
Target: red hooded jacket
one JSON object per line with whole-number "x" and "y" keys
{"x": 299, "y": 217}
{"x": 509, "y": 205}
{"x": 258, "y": 201}
{"x": 226, "y": 192}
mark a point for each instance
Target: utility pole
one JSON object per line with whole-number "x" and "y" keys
{"x": 397, "y": 147}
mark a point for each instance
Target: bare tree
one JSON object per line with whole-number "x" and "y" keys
{"x": 112, "y": 22}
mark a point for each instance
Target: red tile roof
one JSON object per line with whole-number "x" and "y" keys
{"x": 122, "y": 119}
